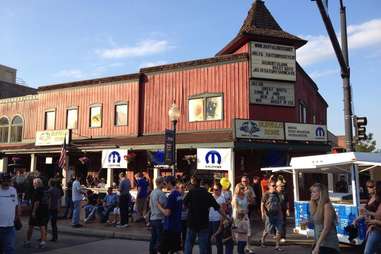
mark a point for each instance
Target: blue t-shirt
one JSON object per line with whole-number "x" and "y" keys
{"x": 111, "y": 199}
{"x": 175, "y": 204}
{"x": 143, "y": 185}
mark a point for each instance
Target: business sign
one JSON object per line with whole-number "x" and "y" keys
{"x": 168, "y": 147}
{"x": 273, "y": 61}
{"x": 50, "y": 138}
{"x": 272, "y": 93}
{"x": 114, "y": 158}
{"x": 214, "y": 159}
{"x": 306, "y": 132}
{"x": 251, "y": 129}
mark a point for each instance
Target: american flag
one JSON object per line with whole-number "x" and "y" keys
{"x": 61, "y": 161}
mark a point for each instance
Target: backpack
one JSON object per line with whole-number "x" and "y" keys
{"x": 272, "y": 204}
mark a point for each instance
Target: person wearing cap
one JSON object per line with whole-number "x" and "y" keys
{"x": 170, "y": 240}
{"x": 8, "y": 214}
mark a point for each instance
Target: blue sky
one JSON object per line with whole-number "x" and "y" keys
{"x": 51, "y": 41}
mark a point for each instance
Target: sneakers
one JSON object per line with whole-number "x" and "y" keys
{"x": 27, "y": 244}
{"x": 122, "y": 226}
{"x": 282, "y": 240}
{"x": 42, "y": 245}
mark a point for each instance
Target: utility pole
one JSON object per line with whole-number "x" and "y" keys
{"x": 342, "y": 57}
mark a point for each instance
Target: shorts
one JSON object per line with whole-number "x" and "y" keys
{"x": 116, "y": 211}
{"x": 170, "y": 241}
{"x": 273, "y": 223}
{"x": 41, "y": 219}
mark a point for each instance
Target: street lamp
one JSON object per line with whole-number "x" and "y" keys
{"x": 174, "y": 115}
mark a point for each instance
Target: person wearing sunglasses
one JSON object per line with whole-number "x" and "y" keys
{"x": 371, "y": 205}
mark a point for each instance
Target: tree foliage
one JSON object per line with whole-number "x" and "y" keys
{"x": 368, "y": 145}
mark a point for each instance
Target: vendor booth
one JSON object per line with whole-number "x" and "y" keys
{"x": 329, "y": 169}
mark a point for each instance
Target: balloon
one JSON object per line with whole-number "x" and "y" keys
{"x": 225, "y": 183}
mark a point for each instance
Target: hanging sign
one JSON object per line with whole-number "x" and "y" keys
{"x": 306, "y": 132}
{"x": 49, "y": 138}
{"x": 114, "y": 158}
{"x": 214, "y": 159}
{"x": 168, "y": 147}
{"x": 273, "y": 61}
{"x": 250, "y": 129}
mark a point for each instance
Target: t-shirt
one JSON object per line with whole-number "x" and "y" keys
{"x": 54, "y": 197}
{"x": 213, "y": 214}
{"x": 124, "y": 187}
{"x": 157, "y": 195}
{"x": 272, "y": 204}
{"x": 41, "y": 196}
{"x": 8, "y": 203}
{"x": 111, "y": 199}
{"x": 76, "y": 191}
{"x": 199, "y": 200}
{"x": 142, "y": 188}
{"x": 174, "y": 203}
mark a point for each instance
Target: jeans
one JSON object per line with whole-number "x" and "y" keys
{"x": 76, "y": 212}
{"x": 69, "y": 206}
{"x": 183, "y": 232}
{"x": 203, "y": 241}
{"x": 7, "y": 240}
{"x": 53, "y": 220}
{"x": 124, "y": 205}
{"x": 156, "y": 229}
{"x": 106, "y": 212}
{"x": 373, "y": 242}
{"x": 229, "y": 245}
{"x": 241, "y": 247}
{"x": 213, "y": 227}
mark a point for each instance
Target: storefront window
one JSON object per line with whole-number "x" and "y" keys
{"x": 16, "y": 129}
{"x": 205, "y": 107}
{"x": 72, "y": 118}
{"x": 95, "y": 116}
{"x": 121, "y": 114}
{"x": 50, "y": 120}
{"x": 4, "y": 129}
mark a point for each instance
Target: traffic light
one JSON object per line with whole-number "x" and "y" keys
{"x": 360, "y": 131}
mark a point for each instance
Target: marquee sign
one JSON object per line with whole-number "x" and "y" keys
{"x": 306, "y": 132}
{"x": 251, "y": 129}
{"x": 273, "y": 61}
{"x": 272, "y": 93}
{"x": 214, "y": 159}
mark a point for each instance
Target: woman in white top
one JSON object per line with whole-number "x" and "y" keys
{"x": 240, "y": 199}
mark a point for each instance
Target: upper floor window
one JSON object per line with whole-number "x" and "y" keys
{"x": 72, "y": 118}
{"x": 121, "y": 114}
{"x": 206, "y": 107}
{"x": 314, "y": 119}
{"x": 95, "y": 120}
{"x": 16, "y": 129}
{"x": 4, "y": 130}
{"x": 302, "y": 113}
{"x": 50, "y": 120}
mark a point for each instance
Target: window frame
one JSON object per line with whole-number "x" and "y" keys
{"x": 16, "y": 125}
{"x": 302, "y": 111}
{"x": 45, "y": 118}
{"x": 96, "y": 105}
{"x": 8, "y": 127}
{"x": 121, "y": 103}
{"x": 205, "y": 97}
{"x": 67, "y": 117}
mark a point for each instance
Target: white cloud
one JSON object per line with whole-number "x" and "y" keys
{"x": 323, "y": 73}
{"x": 152, "y": 64}
{"x": 143, "y": 48}
{"x": 319, "y": 47}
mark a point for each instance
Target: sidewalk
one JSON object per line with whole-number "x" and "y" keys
{"x": 138, "y": 231}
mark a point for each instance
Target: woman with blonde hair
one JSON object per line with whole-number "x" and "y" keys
{"x": 324, "y": 218}
{"x": 240, "y": 200}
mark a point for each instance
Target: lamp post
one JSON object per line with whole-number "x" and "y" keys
{"x": 174, "y": 115}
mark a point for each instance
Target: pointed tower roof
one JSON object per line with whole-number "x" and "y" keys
{"x": 260, "y": 25}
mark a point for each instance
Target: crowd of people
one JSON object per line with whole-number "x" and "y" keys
{"x": 178, "y": 211}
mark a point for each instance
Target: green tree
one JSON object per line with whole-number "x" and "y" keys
{"x": 368, "y": 145}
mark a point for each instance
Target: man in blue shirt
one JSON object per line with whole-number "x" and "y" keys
{"x": 109, "y": 203}
{"x": 170, "y": 240}
{"x": 141, "y": 197}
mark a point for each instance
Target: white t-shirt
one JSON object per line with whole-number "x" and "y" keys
{"x": 213, "y": 214}
{"x": 8, "y": 203}
{"x": 76, "y": 191}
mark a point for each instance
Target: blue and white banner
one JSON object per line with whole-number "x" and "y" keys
{"x": 306, "y": 132}
{"x": 214, "y": 159}
{"x": 114, "y": 158}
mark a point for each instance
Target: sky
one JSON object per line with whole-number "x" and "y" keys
{"x": 52, "y": 41}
